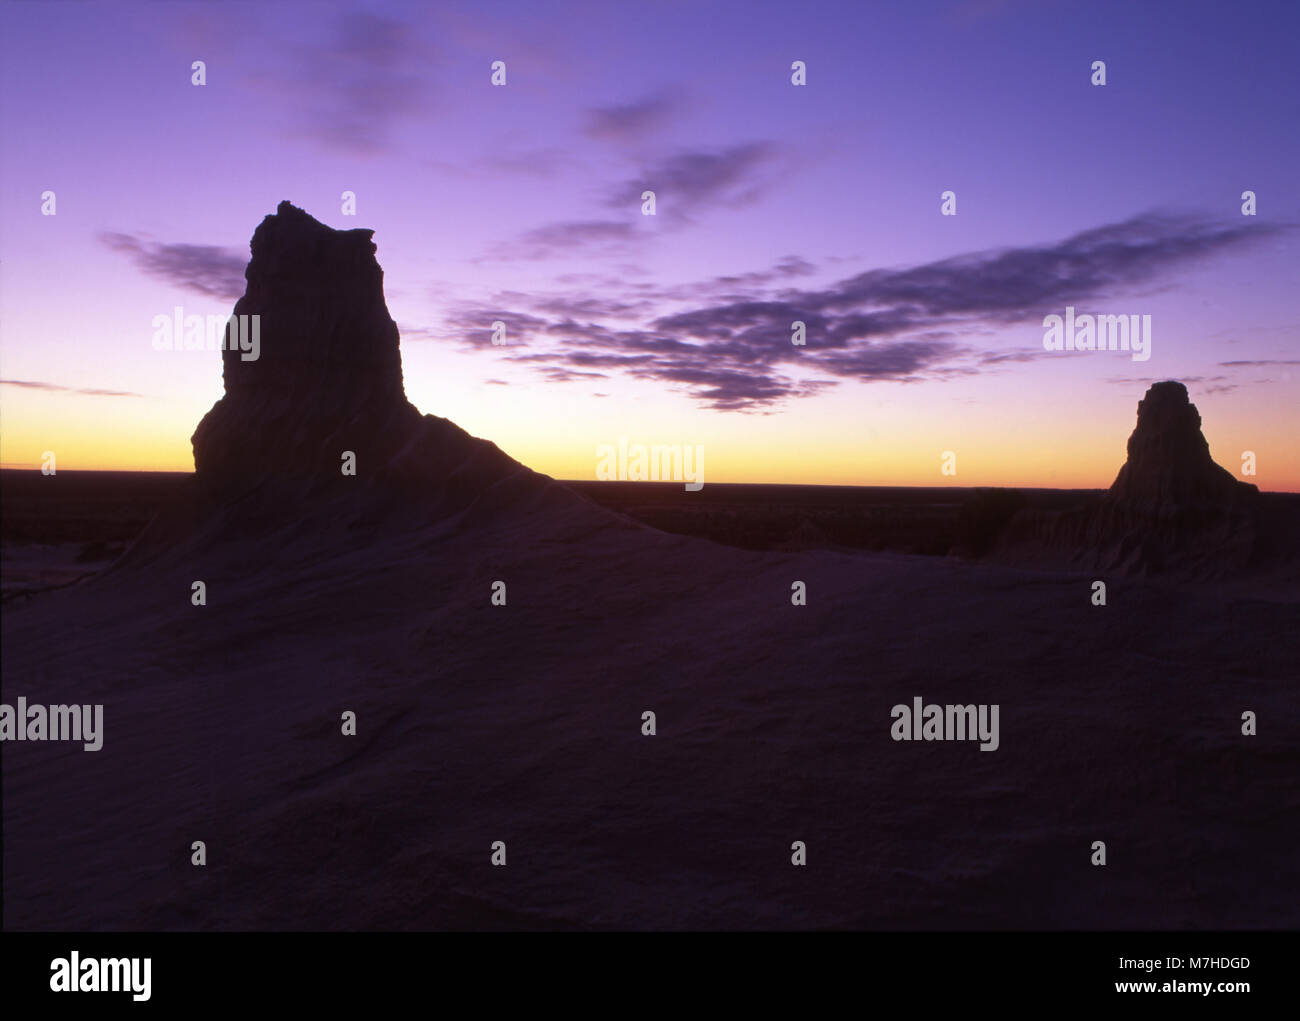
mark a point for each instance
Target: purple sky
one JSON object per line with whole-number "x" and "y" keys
{"x": 774, "y": 202}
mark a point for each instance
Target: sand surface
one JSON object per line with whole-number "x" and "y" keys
{"x": 522, "y": 723}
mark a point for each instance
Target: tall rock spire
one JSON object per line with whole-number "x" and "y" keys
{"x": 1171, "y": 509}
{"x": 324, "y": 395}
{"x": 1169, "y": 469}
{"x": 327, "y": 376}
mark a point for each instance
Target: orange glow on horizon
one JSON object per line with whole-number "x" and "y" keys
{"x": 892, "y": 446}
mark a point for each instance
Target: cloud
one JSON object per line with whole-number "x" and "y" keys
{"x": 207, "y": 269}
{"x": 1010, "y": 357}
{"x": 632, "y": 121}
{"x": 593, "y": 238}
{"x": 557, "y": 374}
{"x": 56, "y": 388}
{"x": 903, "y": 361}
{"x": 593, "y": 307}
{"x": 565, "y": 235}
{"x": 537, "y": 161}
{"x": 734, "y": 286}
{"x": 1008, "y": 285}
{"x": 354, "y": 90}
{"x": 1203, "y": 384}
{"x": 473, "y": 325}
{"x": 684, "y": 184}
{"x": 905, "y": 324}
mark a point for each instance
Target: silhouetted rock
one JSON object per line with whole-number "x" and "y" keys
{"x": 1171, "y": 509}
{"x": 1169, "y": 469}
{"x": 328, "y": 382}
{"x": 329, "y": 373}
{"x": 324, "y": 393}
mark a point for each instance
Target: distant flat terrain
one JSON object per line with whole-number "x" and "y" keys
{"x": 902, "y": 519}
{"x": 59, "y": 528}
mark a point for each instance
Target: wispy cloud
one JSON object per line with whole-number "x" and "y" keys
{"x": 902, "y": 325}
{"x": 686, "y": 181}
{"x": 1201, "y": 384}
{"x": 1010, "y": 284}
{"x": 56, "y": 388}
{"x": 207, "y": 269}
{"x": 354, "y": 90}
{"x": 632, "y": 122}
{"x": 685, "y": 184}
{"x": 540, "y": 162}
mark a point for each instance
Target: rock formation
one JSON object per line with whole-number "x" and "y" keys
{"x": 324, "y": 389}
{"x": 1169, "y": 471}
{"x": 328, "y": 376}
{"x": 1171, "y": 509}
{"x": 1171, "y": 506}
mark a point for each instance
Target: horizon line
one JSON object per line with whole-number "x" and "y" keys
{"x": 660, "y": 482}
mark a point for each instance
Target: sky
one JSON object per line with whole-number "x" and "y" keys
{"x": 774, "y": 202}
